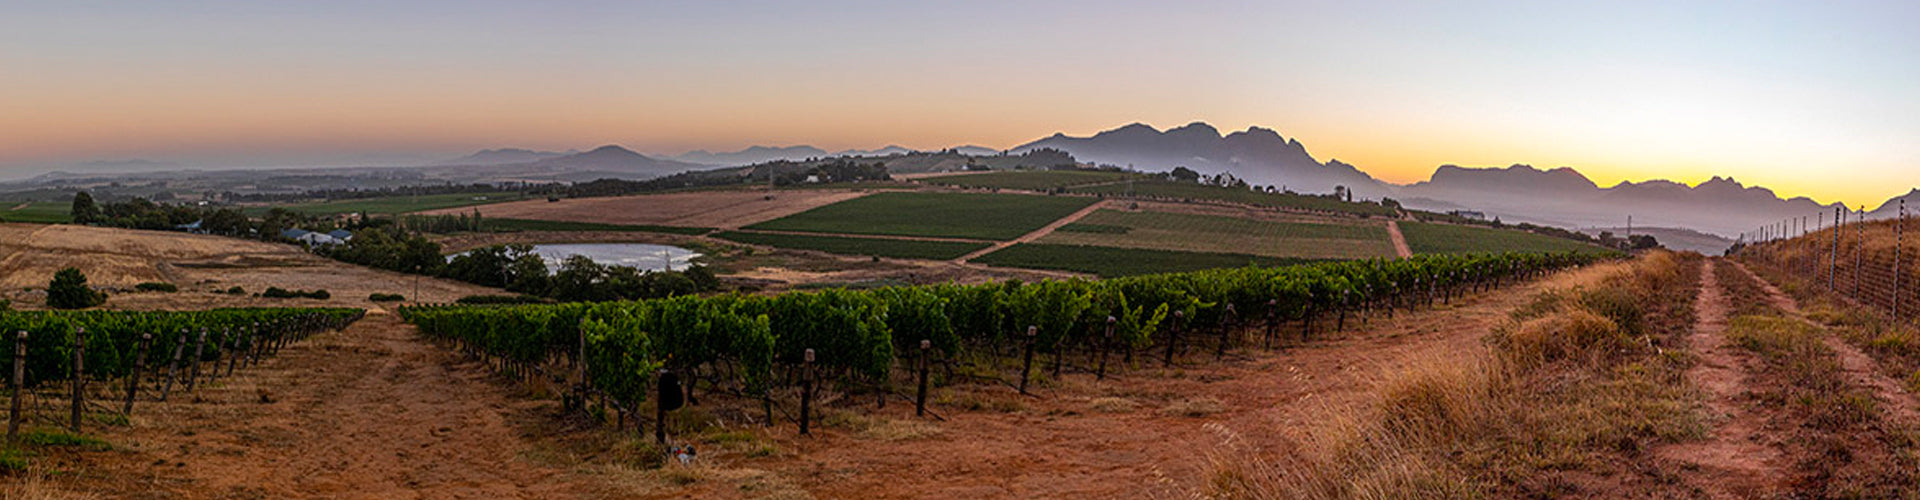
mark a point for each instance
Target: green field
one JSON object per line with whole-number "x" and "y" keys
{"x": 1108, "y": 262}
{"x": 1039, "y": 180}
{"x": 950, "y": 215}
{"x": 392, "y": 204}
{"x": 1336, "y": 238}
{"x": 554, "y": 225}
{"x": 1431, "y": 238}
{"x": 899, "y": 249}
{"x": 1188, "y": 190}
{"x": 40, "y": 212}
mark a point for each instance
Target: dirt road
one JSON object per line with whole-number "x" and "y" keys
{"x": 1732, "y": 463}
{"x": 1036, "y": 234}
{"x": 1399, "y": 240}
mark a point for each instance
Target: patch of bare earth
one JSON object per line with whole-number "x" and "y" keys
{"x": 1857, "y": 367}
{"x": 726, "y": 209}
{"x": 1735, "y": 462}
{"x": 368, "y": 412}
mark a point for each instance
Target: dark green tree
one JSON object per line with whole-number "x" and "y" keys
{"x": 69, "y": 291}
{"x": 84, "y": 209}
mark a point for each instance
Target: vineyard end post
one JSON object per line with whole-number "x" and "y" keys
{"x": 1106, "y": 344}
{"x": 1173, "y": 336}
{"x": 920, "y": 398}
{"x": 1026, "y": 366}
{"x": 806, "y": 391}
{"x": 139, "y": 365}
{"x": 19, "y": 383}
{"x": 79, "y": 377}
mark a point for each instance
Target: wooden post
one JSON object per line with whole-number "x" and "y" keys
{"x": 193, "y": 366}
{"x": 806, "y": 392}
{"x": 79, "y": 376}
{"x": 19, "y": 383}
{"x": 1106, "y": 344}
{"x": 1899, "y": 238}
{"x": 1833, "y": 259}
{"x": 659, "y": 412}
{"x": 1226, "y": 333}
{"x": 920, "y": 398}
{"x": 139, "y": 365}
{"x": 1026, "y": 366}
{"x": 179, "y": 347}
{"x": 580, "y": 365}
{"x": 1273, "y": 322}
{"x": 233, "y": 350}
{"x": 1173, "y": 336}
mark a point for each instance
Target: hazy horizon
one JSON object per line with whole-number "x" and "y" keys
{"x": 1806, "y": 99}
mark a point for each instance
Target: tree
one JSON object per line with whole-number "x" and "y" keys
{"x": 1185, "y": 174}
{"x": 69, "y": 291}
{"x": 84, "y": 210}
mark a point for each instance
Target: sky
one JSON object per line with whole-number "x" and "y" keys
{"x": 1809, "y": 98}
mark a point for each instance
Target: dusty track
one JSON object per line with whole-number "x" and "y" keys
{"x": 1399, "y": 240}
{"x": 369, "y": 412}
{"x": 1733, "y": 463}
{"x": 1858, "y": 368}
{"x": 1036, "y": 234}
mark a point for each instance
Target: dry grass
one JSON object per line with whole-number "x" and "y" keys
{"x": 1112, "y": 405}
{"x": 1563, "y": 387}
{"x": 36, "y": 486}
{"x": 1193, "y": 407}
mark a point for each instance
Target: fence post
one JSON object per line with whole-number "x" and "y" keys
{"x": 79, "y": 376}
{"x": 1106, "y": 344}
{"x": 1226, "y": 332}
{"x": 806, "y": 391}
{"x": 19, "y": 383}
{"x": 193, "y": 369}
{"x": 1173, "y": 336}
{"x": 920, "y": 399}
{"x": 1858, "y": 248}
{"x": 1833, "y": 259}
{"x": 139, "y": 364}
{"x": 1899, "y": 240}
{"x": 173, "y": 369}
{"x": 1026, "y": 366}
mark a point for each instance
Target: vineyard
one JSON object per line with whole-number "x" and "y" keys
{"x": 751, "y": 346}
{"x": 157, "y": 349}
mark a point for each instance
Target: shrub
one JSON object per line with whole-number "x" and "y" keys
{"x": 275, "y": 292}
{"x": 386, "y": 297}
{"x": 236, "y": 291}
{"x": 69, "y": 291}
{"x": 156, "y": 286}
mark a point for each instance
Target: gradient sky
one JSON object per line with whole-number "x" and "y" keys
{"x": 1810, "y": 98}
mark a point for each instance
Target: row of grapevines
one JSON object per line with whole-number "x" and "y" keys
{"x": 861, "y": 333}
{"x": 113, "y": 338}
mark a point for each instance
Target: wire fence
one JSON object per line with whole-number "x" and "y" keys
{"x": 1867, "y": 261}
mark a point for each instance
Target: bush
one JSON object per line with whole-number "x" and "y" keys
{"x": 156, "y": 286}
{"x": 236, "y": 291}
{"x": 275, "y": 292}
{"x": 386, "y": 297}
{"x": 500, "y": 299}
{"x": 69, "y": 291}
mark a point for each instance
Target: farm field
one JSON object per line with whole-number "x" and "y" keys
{"x": 1188, "y": 190}
{"x": 38, "y": 212}
{"x": 724, "y": 209}
{"x": 512, "y": 225}
{"x": 1111, "y": 262}
{"x": 950, "y": 215}
{"x": 1433, "y": 238}
{"x": 393, "y": 204}
{"x": 1029, "y": 180}
{"x": 1326, "y": 239}
{"x": 118, "y": 259}
{"x": 892, "y": 248}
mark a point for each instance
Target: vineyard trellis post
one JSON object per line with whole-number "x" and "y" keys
{"x": 1026, "y": 366}
{"x": 1173, "y": 338}
{"x": 806, "y": 390}
{"x": 920, "y": 396}
{"x": 193, "y": 366}
{"x": 173, "y": 369}
{"x": 19, "y": 383}
{"x": 79, "y": 376}
{"x": 1227, "y": 324}
{"x": 1273, "y": 321}
{"x": 1106, "y": 344}
{"x": 233, "y": 350}
{"x": 139, "y": 365}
